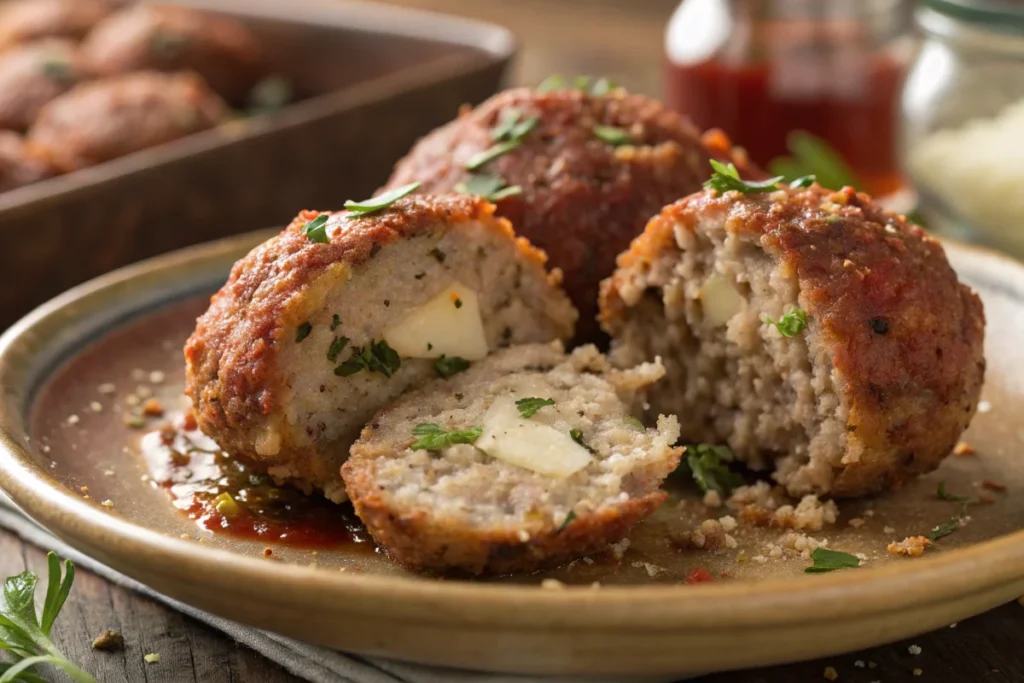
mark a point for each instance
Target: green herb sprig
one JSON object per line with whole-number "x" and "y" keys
{"x": 336, "y": 347}
{"x": 725, "y": 177}
{"x": 595, "y": 87}
{"x": 946, "y": 528}
{"x": 302, "y": 331}
{"x": 490, "y": 187}
{"x": 826, "y": 560}
{"x": 376, "y": 356}
{"x": 512, "y": 126}
{"x": 613, "y": 135}
{"x": 433, "y": 438}
{"x": 790, "y": 324}
{"x": 316, "y": 229}
{"x": 566, "y": 522}
{"x": 528, "y": 407}
{"x": 813, "y": 156}
{"x": 490, "y": 154}
{"x": 25, "y": 635}
{"x": 446, "y": 366}
{"x": 945, "y": 495}
{"x": 706, "y": 464}
{"x": 577, "y": 436}
{"x": 380, "y": 202}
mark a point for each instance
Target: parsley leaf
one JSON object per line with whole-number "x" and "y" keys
{"x": 803, "y": 181}
{"x": 946, "y": 528}
{"x": 811, "y": 155}
{"x": 337, "y": 346}
{"x": 528, "y": 407}
{"x": 726, "y": 177}
{"x": 316, "y": 229}
{"x": 433, "y": 438}
{"x": 612, "y": 135}
{"x": 791, "y": 324}
{"x": 490, "y": 187}
{"x": 510, "y": 127}
{"x": 302, "y": 331}
{"x": 566, "y": 522}
{"x": 577, "y": 436}
{"x": 493, "y": 152}
{"x": 826, "y": 560}
{"x": 375, "y": 357}
{"x": 335, "y": 321}
{"x": 705, "y": 464}
{"x": 595, "y": 87}
{"x": 380, "y": 202}
{"x": 944, "y": 495}
{"x": 446, "y": 367}
{"x": 59, "y": 71}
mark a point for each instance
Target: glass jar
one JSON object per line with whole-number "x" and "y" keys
{"x": 760, "y": 69}
{"x": 962, "y": 133}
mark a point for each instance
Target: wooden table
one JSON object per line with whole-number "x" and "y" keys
{"x": 621, "y": 40}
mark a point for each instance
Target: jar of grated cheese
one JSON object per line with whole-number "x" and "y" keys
{"x": 962, "y": 131}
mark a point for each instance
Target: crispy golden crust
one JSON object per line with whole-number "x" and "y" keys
{"x": 25, "y": 20}
{"x": 904, "y": 336}
{"x": 583, "y": 200}
{"x": 33, "y": 74}
{"x": 230, "y": 356}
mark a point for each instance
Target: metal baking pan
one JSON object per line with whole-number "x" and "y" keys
{"x": 371, "y": 79}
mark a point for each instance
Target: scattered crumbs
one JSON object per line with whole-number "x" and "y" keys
{"x": 914, "y": 650}
{"x": 107, "y": 503}
{"x": 984, "y": 406}
{"x": 859, "y": 664}
{"x": 728, "y": 523}
{"x": 153, "y": 407}
{"x": 996, "y": 486}
{"x": 46, "y": 448}
{"x": 138, "y": 374}
{"x": 132, "y": 400}
{"x": 953, "y": 625}
{"x": 552, "y": 584}
{"x": 108, "y": 641}
{"x": 588, "y": 560}
{"x": 106, "y": 389}
{"x": 861, "y": 556}
{"x": 911, "y": 546}
{"x": 85, "y": 489}
{"x": 108, "y": 473}
{"x": 730, "y": 542}
{"x": 831, "y": 673}
{"x": 918, "y": 672}
{"x": 156, "y": 377}
{"x": 314, "y": 553}
{"x": 523, "y": 536}
{"x": 185, "y": 537}
{"x": 143, "y": 392}
{"x": 869, "y": 513}
{"x": 774, "y": 550}
{"x": 652, "y": 569}
{"x": 963, "y": 448}
{"x": 268, "y": 552}
{"x": 145, "y": 478}
{"x": 889, "y": 530}
{"x": 856, "y": 522}
{"x": 619, "y": 549}
{"x": 152, "y": 658}
{"x": 712, "y": 499}
{"x": 760, "y": 559}
{"x": 96, "y": 407}
{"x": 73, "y": 419}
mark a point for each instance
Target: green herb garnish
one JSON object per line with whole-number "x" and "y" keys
{"x": 510, "y": 127}
{"x": 316, "y": 229}
{"x": 726, "y": 177}
{"x": 490, "y": 187}
{"x": 633, "y": 422}
{"x": 566, "y": 522}
{"x": 337, "y": 346}
{"x": 803, "y": 181}
{"x": 433, "y": 438}
{"x": 594, "y": 87}
{"x": 167, "y": 45}
{"x": 577, "y": 436}
{"x": 377, "y": 356}
{"x": 812, "y": 156}
{"x": 826, "y": 560}
{"x": 791, "y": 324}
{"x": 612, "y": 135}
{"x": 528, "y": 407}
{"x": 302, "y": 331}
{"x": 946, "y": 528}
{"x": 945, "y": 495}
{"x": 58, "y": 71}
{"x": 705, "y": 464}
{"x": 335, "y": 321}
{"x": 380, "y": 202}
{"x": 446, "y": 367}
{"x": 24, "y": 635}
{"x": 491, "y": 153}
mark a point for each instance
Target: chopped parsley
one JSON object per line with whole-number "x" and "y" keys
{"x": 511, "y": 128}
{"x": 380, "y": 202}
{"x": 447, "y": 367}
{"x": 528, "y": 407}
{"x": 945, "y": 495}
{"x": 946, "y": 528}
{"x": 612, "y": 135}
{"x": 336, "y": 347}
{"x": 167, "y": 45}
{"x": 438, "y": 255}
{"x": 566, "y": 522}
{"x": 803, "y": 181}
{"x": 335, "y": 321}
{"x": 706, "y": 464}
{"x": 826, "y": 560}
{"x": 58, "y": 71}
{"x": 594, "y": 87}
{"x": 458, "y": 302}
{"x": 633, "y": 422}
{"x": 726, "y": 177}
{"x": 493, "y": 152}
{"x": 577, "y": 436}
{"x": 433, "y": 438}
{"x": 302, "y": 331}
{"x": 316, "y": 229}
{"x": 377, "y": 356}
{"x": 791, "y": 324}
{"x": 490, "y": 187}
{"x": 812, "y": 155}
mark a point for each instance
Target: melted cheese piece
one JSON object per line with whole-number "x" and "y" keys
{"x": 720, "y": 300}
{"x": 529, "y": 444}
{"x": 447, "y": 325}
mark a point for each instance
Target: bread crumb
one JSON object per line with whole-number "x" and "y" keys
{"x": 914, "y": 650}
{"x": 859, "y": 664}
{"x": 588, "y": 560}
{"x": 889, "y": 530}
{"x": 107, "y": 388}
{"x": 96, "y": 406}
{"x": 760, "y": 559}
{"x": 152, "y": 658}
{"x": 268, "y": 552}
{"x": 152, "y": 407}
{"x": 143, "y": 392}
{"x": 728, "y": 523}
{"x": 109, "y": 473}
{"x": 911, "y": 546}
{"x": 132, "y": 400}
{"x": 552, "y": 584}
{"x": 774, "y": 550}
{"x": 156, "y": 377}
{"x": 619, "y": 549}
{"x": 523, "y": 536}
{"x": 963, "y": 448}
{"x": 107, "y": 503}
{"x": 831, "y": 673}
{"x": 856, "y": 522}
{"x": 712, "y": 499}
{"x": 730, "y": 542}
{"x": 953, "y": 625}
{"x": 73, "y": 420}
{"x": 984, "y": 406}
{"x": 108, "y": 641}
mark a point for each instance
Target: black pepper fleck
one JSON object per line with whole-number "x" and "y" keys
{"x": 879, "y": 325}
{"x": 438, "y": 254}
{"x": 420, "y": 276}
{"x": 387, "y": 302}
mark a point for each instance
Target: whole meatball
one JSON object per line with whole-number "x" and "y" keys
{"x": 25, "y": 20}
{"x": 810, "y": 330}
{"x": 592, "y": 171}
{"x": 106, "y": 119}
{"x": 167, "y": 38}
{"x": 33, "y": 74}
{"x": 18, "y": 164}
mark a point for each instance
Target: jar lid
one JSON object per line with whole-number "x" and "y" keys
{"x": 1005, "y": 14}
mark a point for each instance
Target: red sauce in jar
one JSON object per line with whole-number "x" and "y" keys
{"x": 224, "y": 494}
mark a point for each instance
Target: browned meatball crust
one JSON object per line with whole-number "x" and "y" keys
{"x": 166, "y": 38}
{"x": 583, "y": 199}
{"x": 18, "y": 164}
{"x": 106, "y": 119}
{"x": 25, "y": 20}
{"x": 875, "y": 390}
{"x": 33, "y": 74}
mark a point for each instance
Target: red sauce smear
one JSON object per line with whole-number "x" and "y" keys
{"x": 225, "y": 494}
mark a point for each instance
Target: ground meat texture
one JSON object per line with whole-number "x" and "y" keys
{"x": 25, "y": 20}
{"x": 18, "y": 164}
{"x": 583, "y": 199}
{"x": 258, "y": 370}
{"x": 109, "y": 118}
{"x": 460, "y": 508}
{"x": 167, "y": 38}
{"x": 877, "y": 388}
{"x": 33, "y": 74}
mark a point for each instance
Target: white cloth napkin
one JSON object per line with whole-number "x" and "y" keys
{"x": 312, "y": 663}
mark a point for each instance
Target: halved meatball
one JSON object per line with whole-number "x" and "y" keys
{"x": 18, "y": 164}
{"x": 33, "y": 74}
{"x": 314, "y": 333}
{"x": 167, "y": 38}
{"x": 25, "y": 20}
{"x": 528, "y": 459}
{"x": 871, "y": 368}
{"x": 109, "y": 118}
{"x": 592, "y": 169}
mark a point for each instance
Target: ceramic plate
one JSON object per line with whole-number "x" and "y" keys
{"x": 65, "y": 450}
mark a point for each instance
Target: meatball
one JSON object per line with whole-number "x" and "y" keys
{"x": 106, "y": 119}
{"x": 528, "y": 459}
{"x": 810, "y": 330}
{"x": 585, "y": 192}
{"x": 167, "y": 38}
{"x": 25, "y": 20}
{"x": 33, "y": 74}
{"x": 313, "y": 333}
{"x": 18, "y": 164}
